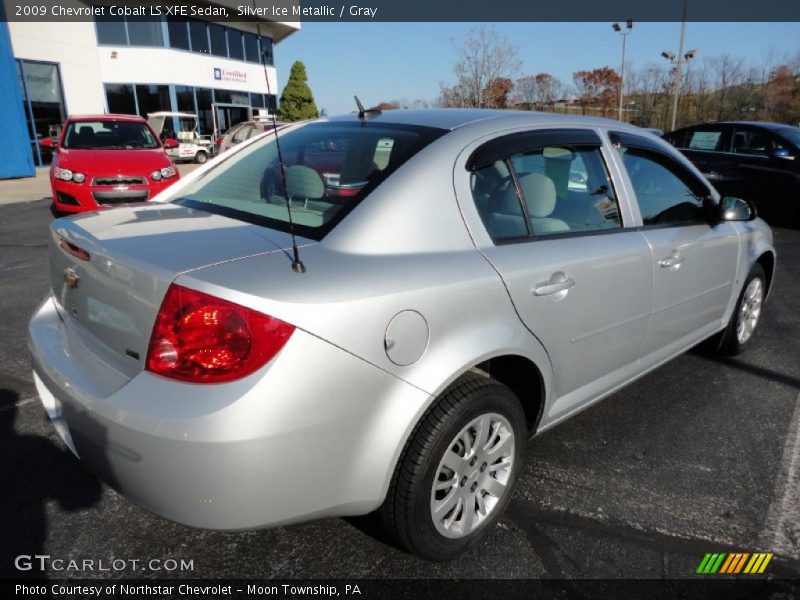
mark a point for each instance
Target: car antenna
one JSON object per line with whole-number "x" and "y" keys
{"x": 297, "y": 264}
{"x": 366, "y": 115}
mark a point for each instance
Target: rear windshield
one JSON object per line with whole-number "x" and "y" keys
{"x": 109, "y": 135}
{"x": 328, "y": 168}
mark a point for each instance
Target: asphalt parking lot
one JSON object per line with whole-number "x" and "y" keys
{"x": 699, "y": 456}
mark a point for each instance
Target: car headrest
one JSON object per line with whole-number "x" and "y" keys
{"x": 304, "y": 182}
{"x": 540, "y": 194}
{"x": 85, "y": 131}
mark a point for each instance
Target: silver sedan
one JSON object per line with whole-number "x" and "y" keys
{"x": 375, "y": 313}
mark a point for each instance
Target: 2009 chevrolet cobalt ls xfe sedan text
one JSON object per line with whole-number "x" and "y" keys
{"x": 466, "y": 279}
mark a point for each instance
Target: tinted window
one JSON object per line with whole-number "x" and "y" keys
{"x": 752, "y": 142}
{"x": 664, "y": 191}
{"x": 120, "y": 99}
{"x": 145, "y": 33}
{"x": 109, "y": 135}
{"x": 564, "y": 190}
{"x": 219, "y": 43}
{"x": 235, "y": 44}
{"x": 178, "y": 34}
{"x": 704, "y": 139}
{"x": 185, "y": 97}
{"x": 152, "y": 98}
{"x": 266, "y": 48}
{"x": 199, "y": 36}
{"x": 250, "y": 47}
{"x": 111, "y": 32}
{"x": 330, "y": 167}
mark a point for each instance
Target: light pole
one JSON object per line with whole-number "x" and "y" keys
{"x": 618, "y": 28}
{"x": 678, "y": 62}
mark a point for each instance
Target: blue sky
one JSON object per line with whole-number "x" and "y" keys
{"x": 386, "y": 61}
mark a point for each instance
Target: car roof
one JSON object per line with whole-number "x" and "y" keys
{"x": 453, "y": 118}
{"x": 111, "y": 117}
{"x": 167, "y": 113}
{"x": 763, "y": 124}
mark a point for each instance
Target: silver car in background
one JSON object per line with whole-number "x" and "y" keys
{"x": 461, "y": 281}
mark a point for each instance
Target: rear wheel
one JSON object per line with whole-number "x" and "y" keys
{"x": 458, "y": 471}
{"x": 201, "y": 157}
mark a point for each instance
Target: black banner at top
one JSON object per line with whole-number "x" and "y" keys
{"x": 406, "y": 10}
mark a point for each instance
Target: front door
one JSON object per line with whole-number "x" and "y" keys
{"x": 694, "y": 262}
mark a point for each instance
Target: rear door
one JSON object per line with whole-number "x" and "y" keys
{"x": 706, "y": 146}
{"x": 579, "y": 279}
{"x": 694, "y": 262}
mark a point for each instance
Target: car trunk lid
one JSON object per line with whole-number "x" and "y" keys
{"x": 110, "y": 270}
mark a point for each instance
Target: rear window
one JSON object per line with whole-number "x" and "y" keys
{"x": 328, "y": 168}
{"x": 109, "y": 135}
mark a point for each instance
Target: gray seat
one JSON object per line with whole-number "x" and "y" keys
{"x": 539, "y": 192}
{"x": 304, "y": 183}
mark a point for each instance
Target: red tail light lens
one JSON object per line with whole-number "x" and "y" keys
{"x": 203, "y": 339}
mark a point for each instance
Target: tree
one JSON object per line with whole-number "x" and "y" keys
{"x": 597, "y": 87}
{"x": 527, "y": 91}
{"x": 496, "y": 93}
{"x": 484, "y": 57}
{"x": 549, "y": 90}
{"x": 297, "y": 101}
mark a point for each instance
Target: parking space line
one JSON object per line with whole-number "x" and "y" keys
{"x": 781, "y": 533}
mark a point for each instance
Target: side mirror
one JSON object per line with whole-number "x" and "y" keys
{"x": 736, "y": 209}
{"x": 48, "y": 143}
{"x": 781, "y": 153}
{"x": 171, "y": 143}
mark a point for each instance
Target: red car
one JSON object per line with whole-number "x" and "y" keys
{"x": 105, "y": 160}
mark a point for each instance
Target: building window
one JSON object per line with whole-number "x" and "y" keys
{"x": 120, "y": 99}
{"x": 257, "y": 100}
{"x": 185, "y": 98}
{"x": 219, "y": 44}
{"x": 111, "y": 32}
{"x": 43, "y": 103}
{"x": 178, "y": 34}
{"x": 198, "y": 32}
{"x": 204, "y": 100}
{"x": 235, "y": 44}
{"x": 145, "y": 33}
{"x": 266, "y": 49}
{"x": 250, "y": 47}
{"x": 152, "y": 98}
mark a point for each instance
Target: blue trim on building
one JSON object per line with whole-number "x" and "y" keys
{"x": 17, "y": 158}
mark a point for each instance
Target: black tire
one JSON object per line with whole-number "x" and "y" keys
{"x": 726, "y": 343}
{"x": 201, "y": 157}
{"x": 406, "y": 513}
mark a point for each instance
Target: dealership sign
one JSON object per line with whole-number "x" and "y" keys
{"x": 234, "y": 75}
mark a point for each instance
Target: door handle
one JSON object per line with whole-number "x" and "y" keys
{"x": 559, "y": 282}
{"x": 672, "y": 262}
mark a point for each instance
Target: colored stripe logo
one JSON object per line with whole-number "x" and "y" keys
{"x": 734, "y": 563}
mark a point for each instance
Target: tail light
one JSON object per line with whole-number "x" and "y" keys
{"x": 203, "y": 339}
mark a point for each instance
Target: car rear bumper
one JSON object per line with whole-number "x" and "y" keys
{"x": 74, "y": 197}
{"x": 314, "y": 433}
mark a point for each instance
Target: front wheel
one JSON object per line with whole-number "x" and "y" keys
{"x": 458, "y": 471}
{"x": 201, "y": 157}
{"x": 746, "y": 315}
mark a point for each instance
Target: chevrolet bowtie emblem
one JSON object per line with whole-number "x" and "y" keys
{"x": 71, "y": 277}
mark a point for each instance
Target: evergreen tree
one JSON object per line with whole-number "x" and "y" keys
{"x": 297, "y": 101}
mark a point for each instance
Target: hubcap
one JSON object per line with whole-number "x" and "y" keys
{"x": 749, "y": 310}
{"x": 473, "y": 475}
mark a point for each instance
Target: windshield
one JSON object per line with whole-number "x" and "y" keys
{"x": 793, "y": 135}
{"x": 329, "y": 169}
{"x": 109, "y": 135}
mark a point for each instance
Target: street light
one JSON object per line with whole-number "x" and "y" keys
{"x": 624, "y": 33}
{"x": 678, "y": 62}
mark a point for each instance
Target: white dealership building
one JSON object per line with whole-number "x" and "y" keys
{"x": 217, "y": 70}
